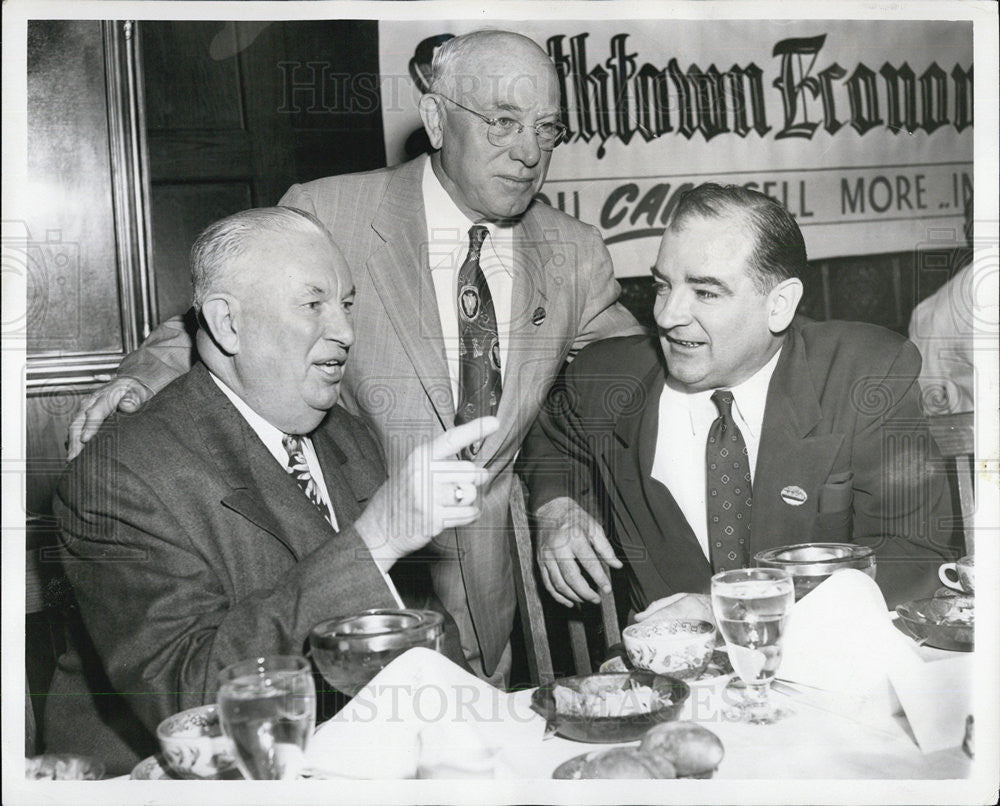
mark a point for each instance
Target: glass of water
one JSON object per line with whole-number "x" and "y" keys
{"x": 267, "y": 707}
{"x": 751, "y": 606}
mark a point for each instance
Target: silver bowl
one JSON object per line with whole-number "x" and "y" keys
{"x": 811, "y": 563}
{"x": 350, "y": 650}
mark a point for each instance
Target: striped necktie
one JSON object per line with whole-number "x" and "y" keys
{"x": 298, "y": 468}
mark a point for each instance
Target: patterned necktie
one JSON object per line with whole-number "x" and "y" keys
{"x": 729, "y": 496}
{"x": 479, "y": 349}
{"x": 299, "y": 470}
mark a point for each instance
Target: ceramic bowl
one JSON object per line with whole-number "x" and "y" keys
{"x": 193, "y": 744}
{"x": 678, "y": 647}
{"x": 946, "y": 622}
{"x": 669, "y": 694}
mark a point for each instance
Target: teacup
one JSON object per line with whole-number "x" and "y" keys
{"x": 194, "y": 745}
{"x": 959, "y": 575}
{"x": 677, "y": 647}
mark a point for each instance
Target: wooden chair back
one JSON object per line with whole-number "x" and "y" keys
{"x": 529, "y": 601}
{"x": 955, "y": 436}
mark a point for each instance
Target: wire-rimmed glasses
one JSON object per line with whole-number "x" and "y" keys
{"x": 502, "y": 131}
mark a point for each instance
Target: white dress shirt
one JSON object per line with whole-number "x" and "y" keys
{"x": 272, "y": 438}
{"x": 447, "y": 248}
{"x": 682, "y": 433}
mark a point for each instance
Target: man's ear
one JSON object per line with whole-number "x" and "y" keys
{"x": 783, "y": 300}
{"x": 220, "y": 313}
{"x": 431, "y": 114}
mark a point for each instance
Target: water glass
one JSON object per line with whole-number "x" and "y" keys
{"x": 267, "y": 707}
{"x": 751, "y": 606}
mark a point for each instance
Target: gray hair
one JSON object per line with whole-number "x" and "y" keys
{"x": 445, "y": 76}
{"x": 222, "y": 243}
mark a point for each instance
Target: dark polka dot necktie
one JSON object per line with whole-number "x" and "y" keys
{"x": 298, "y": 469}
{"x": 728, "y": 493}
{"x": 479, "y": 349}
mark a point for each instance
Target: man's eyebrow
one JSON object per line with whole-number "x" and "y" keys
{"x": 314, "y": 290}
{"x": 693, "y": 279}
{"x": 503, "y": 106}
{"x": 352, "y": 292}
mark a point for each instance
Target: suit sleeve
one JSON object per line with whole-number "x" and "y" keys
{"x": 901, "y": 499}
{"x": 166, "y": 354}
{"x": 603, "y": 316}
{"x": 158, "y": 612}
{"x": 556, "y": 460}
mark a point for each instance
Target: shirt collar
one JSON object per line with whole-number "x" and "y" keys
{"x": 448, "y": 227}
{"x": 750, "y": 397}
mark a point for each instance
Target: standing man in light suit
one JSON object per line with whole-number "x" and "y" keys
{"x": 470, "y": 296}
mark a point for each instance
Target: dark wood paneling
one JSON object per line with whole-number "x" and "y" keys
{"x": 180, "y": 56}
{"x": 71, "y": 258}
{"x": 177, "y": 211}
{"x": 197, "y": 156}
{"x": 225, "y": 133}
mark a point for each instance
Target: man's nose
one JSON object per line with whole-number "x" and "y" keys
{"x": 672, "y": 309}
{"x": 339, "y": 327}
{"x": 525, "y": 148}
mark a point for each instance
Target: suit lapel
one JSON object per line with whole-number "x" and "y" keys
{"x": 260, "y": 489}
{"x": 790, "y": 453}
{"x": 528, "y": 369}
{"x": 401, "y": 275}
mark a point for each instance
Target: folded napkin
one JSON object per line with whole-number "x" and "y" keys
{"x": 423, "y": 715}
{"x": 840, "y": 639}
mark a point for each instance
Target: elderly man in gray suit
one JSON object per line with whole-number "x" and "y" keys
{"x": 470, "y": 298}
{"x": 241, "y": 506}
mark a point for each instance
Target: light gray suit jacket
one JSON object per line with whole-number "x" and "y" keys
{"x": 564, "y": 297}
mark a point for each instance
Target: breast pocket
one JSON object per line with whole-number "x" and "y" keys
{"x": 835, "y": 517}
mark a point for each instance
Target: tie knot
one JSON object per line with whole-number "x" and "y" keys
{"x": 723, "y": 400}
{"x": 477, "y": 234}
{"x": 292, "y": 444}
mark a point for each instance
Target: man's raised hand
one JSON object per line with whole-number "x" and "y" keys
{"x": 432, "y": 491}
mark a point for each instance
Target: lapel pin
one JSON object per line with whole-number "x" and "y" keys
{"x": 538, "y": 316}
{"x": 793, "y": 495}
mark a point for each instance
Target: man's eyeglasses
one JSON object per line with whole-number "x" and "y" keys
{"x": 503, "y": 131}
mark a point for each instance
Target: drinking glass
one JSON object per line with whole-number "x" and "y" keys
{"x": 751, "y": 606}
{"x": 267, "y": 707}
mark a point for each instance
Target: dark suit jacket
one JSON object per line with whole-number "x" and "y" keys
{"x": 189, "y": 547}
{"x": 842, "y": 422}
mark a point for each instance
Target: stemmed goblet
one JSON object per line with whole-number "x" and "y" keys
{"x": 751, "y": 607}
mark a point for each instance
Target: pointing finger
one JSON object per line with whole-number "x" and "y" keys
{"x": 455, "y": 439}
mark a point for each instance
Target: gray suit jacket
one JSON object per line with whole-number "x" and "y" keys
{"x": 564, "y": 297}
{"x": 189, "y": 547}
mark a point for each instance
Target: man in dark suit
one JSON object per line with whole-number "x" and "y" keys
{"x": 492, "y": 118}
{"x": 241, "y": 506}
{"x": 744, "y": 429}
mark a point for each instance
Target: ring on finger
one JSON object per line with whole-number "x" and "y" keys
{"x": 459, "y": 494}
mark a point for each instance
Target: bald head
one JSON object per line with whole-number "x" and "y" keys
{"x": 463, "y": 65}
{"x": 217, "y": 264}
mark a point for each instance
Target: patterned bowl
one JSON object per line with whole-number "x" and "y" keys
{"x": 677, "y": 647}
{"x": 194, "y": 745}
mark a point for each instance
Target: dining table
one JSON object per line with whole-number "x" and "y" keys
{"x": 424, "y": 721}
